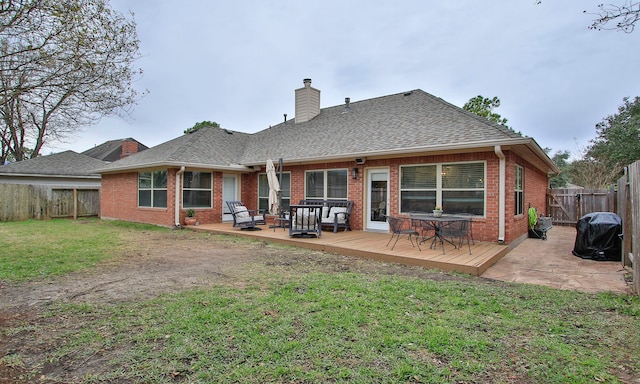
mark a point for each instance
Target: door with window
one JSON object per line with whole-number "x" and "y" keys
{"x": 229, "y": 192}
{"x": 378, "y": 199}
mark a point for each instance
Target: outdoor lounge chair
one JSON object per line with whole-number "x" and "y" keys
{"x": 305, "y": 221}
{"x": 246, "y": 218}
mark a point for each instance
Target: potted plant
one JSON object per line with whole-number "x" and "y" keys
{"x": 191, "y": 217}
{"x": 437, "y": 211}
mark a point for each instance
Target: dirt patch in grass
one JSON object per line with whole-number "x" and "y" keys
{"x": 154, "y": 263}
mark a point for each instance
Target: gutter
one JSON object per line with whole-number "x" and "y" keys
{"x": 177, "y": 196}
{"x": 501, "y": 193}
{"x": 169, "y": 164}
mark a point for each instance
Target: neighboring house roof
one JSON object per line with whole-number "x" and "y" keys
{"x": 112, "y": 150}
{"x": 63, "y": 164}
{"x": 408, "y": 122}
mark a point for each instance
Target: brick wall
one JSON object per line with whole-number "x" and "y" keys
{"x": 119, "y": 193}
{"x": 119, "y": 200}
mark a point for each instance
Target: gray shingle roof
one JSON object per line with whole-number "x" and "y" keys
{"x": 67, "y": 163}
{"x": 396, "y": 122}
{"x": 406, "y": 122}
{"x": 206, "y": 147}
{"x": 111, "y": 150}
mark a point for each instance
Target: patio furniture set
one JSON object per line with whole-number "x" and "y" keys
{"x": 304, "y": 219}
{"x": 307, "y": 218}
{"x": 441, "y": 230}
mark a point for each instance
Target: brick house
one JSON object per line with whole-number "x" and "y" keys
{"x": 391, "y": 155}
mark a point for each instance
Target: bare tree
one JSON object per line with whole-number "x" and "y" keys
{"x": 617, "y": 17}
{"x": 591, "y": 173}
{"x": 64, "y": 64}
{"x": 614, "y": 17}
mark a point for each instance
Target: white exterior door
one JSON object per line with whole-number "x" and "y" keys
{"x": 229, "y": 192}
{"x": 378, "y": 199}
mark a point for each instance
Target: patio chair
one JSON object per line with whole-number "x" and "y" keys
{"x": 470, "y": 216}
{"x": 246, "y": 218}
{"x": 425, "y": 227}
{"x": 455, "y": 230}
{"x": 397, "y": 227}
{"x": 305, "y": 221}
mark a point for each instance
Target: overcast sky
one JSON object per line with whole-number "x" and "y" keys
{"x": 238, "y": 62}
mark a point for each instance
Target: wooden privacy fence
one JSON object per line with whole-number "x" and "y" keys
{"x": 20, "y": 202}
{"x": 566, "y": 206}
{"x": 629, "y": 211}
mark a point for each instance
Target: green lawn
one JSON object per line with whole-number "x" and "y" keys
{"x": 32, "y": 249}
{"x": 320, "y": 327}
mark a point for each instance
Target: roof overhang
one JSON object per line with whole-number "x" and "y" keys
{"x": 173, "y": 164}
{"x": 44, "y": 175}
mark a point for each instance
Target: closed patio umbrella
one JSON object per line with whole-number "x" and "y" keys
{"x": 274, "y": 188}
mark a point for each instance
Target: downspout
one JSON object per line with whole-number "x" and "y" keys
{"x": 501, "y": 193}
{"x": 177, "y": 195}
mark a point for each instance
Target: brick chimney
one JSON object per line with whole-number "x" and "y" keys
{"x": 129, "y": 147}
{"x": 307, "y": 102}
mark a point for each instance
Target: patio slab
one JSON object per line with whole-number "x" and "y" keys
{"x": 551, "y": 263}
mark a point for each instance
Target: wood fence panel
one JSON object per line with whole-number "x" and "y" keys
{"x": 88, "y": 202}
{"x": 624, "y": 211}
{"x": 19, "y": 202}
{"x": 567, "y": 206}
{"x": 631, "y": 249}
{"x": 23, "y": 202}
{"x": 62, "y": 202}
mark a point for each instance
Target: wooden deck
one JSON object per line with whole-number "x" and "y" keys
{"x": 372, "y": 245}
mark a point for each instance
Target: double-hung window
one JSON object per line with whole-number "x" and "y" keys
{"x": 285, "y": 191}
{"x": 152, "y": 189}
{"x": 519, "y": 191}
{"x": 197, "y": 188}
{"x": 456, "y": 187}
{"x": 326, "y": 184}
{"x": 463, "y": 188}
{"x": 418, "y": 188}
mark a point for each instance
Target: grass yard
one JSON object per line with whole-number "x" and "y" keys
{"x": 280, "y": 314}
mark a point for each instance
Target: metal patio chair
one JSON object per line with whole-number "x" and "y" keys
{"x": 397, "y": 227}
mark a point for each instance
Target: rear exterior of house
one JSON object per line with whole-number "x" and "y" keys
{"x": 390, "y": 155}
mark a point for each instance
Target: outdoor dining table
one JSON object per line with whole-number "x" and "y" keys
{"x": 437, "y": 222}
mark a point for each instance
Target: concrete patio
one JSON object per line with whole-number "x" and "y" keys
{"x": 551, "y": 263}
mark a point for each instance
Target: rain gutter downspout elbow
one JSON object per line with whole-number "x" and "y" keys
{"x": 501, "y": 193}
{"x": 177, "y": 196}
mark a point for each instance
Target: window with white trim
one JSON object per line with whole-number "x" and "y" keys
{"x": 326, "y": 184}
{"x": 456, "y": 187}
{"x": 152, "y": 189}
{"x": 197, "y": 188}
{"x": 519, "y": 191}
{"x": 418, "y": 188}
{"x": 285, "y": 191}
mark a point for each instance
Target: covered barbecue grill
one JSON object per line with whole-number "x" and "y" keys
{"x": 598, "y": 237}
